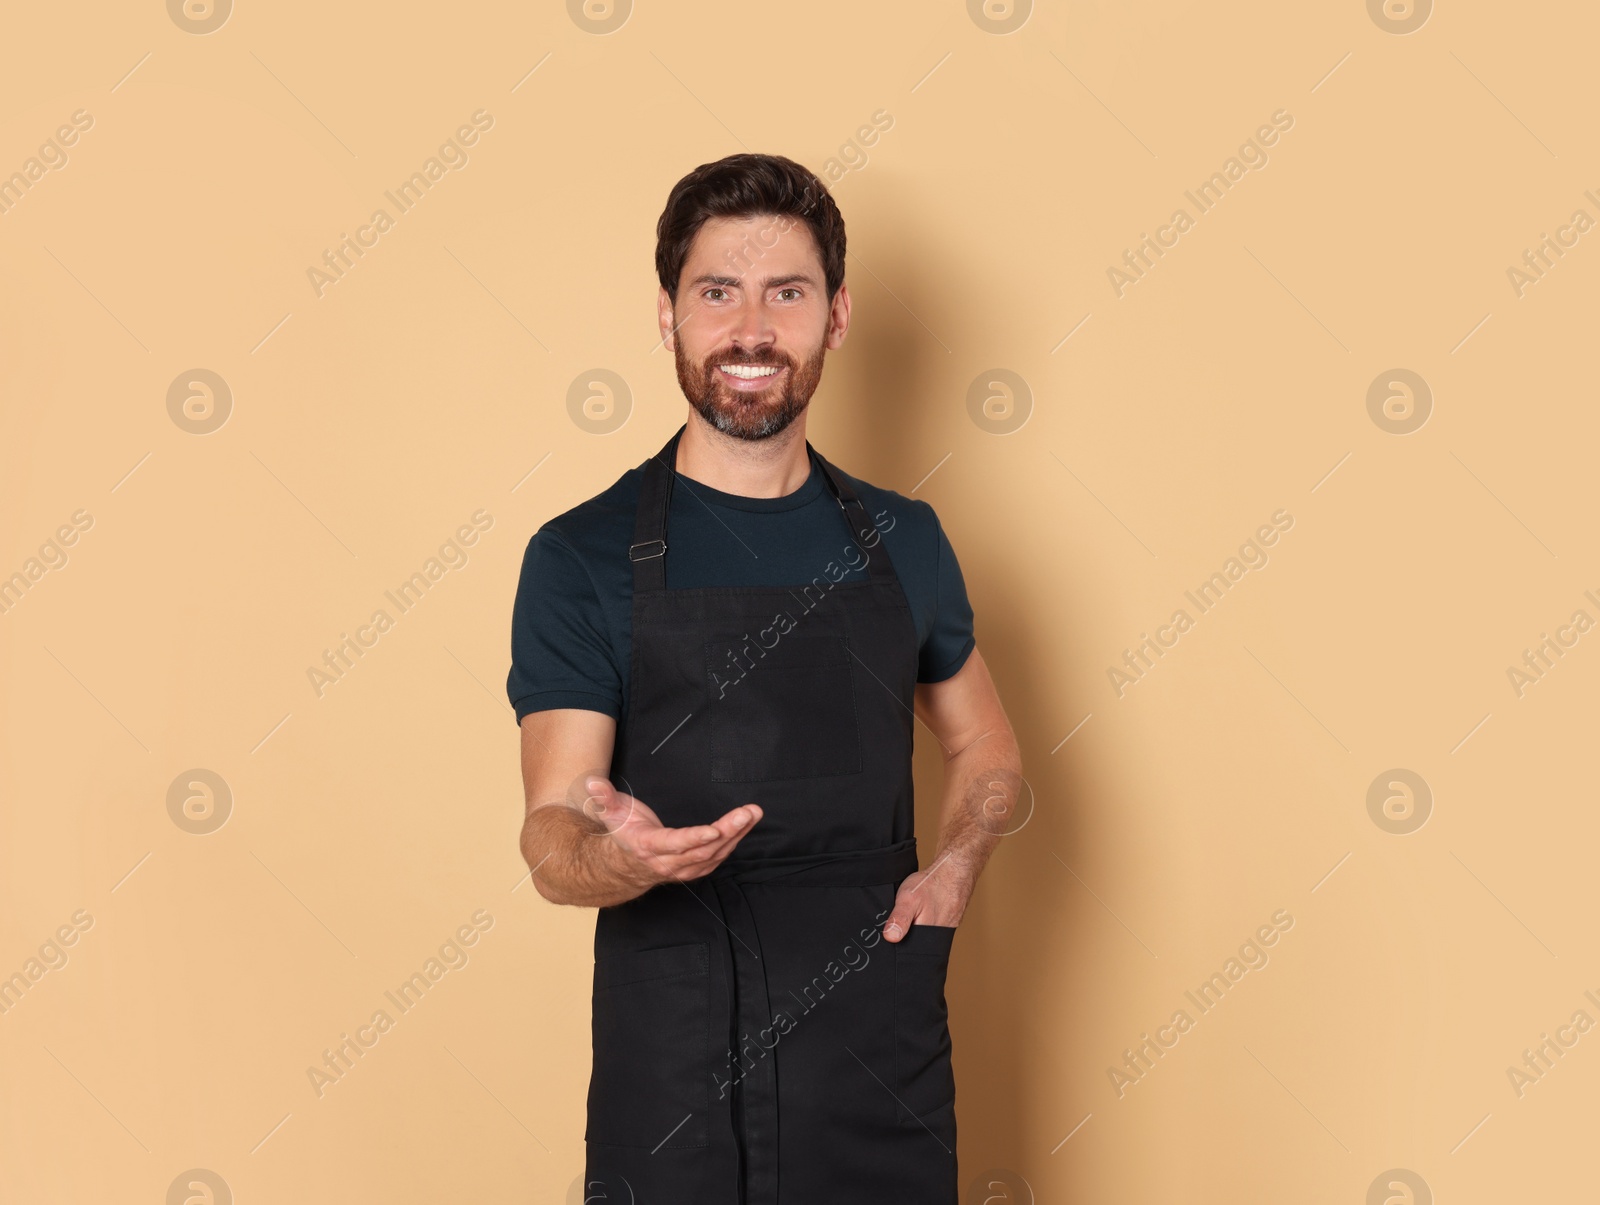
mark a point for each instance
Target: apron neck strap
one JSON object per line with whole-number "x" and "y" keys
{"x": 648, "y": 552}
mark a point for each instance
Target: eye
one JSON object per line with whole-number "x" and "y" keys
{"x": 791, "y": 289}
{"x": 711, "y": 290}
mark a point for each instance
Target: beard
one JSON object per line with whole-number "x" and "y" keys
{"x": 760, "y": 414}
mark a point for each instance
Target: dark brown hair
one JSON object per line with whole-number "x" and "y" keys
{"x": 743, "y": 186}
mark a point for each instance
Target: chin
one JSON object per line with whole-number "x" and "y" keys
{"x": 738, "y": 421}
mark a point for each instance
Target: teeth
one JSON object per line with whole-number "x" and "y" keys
{"x": 748, "y": 371}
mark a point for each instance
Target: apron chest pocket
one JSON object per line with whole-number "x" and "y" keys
{"x": 788, "y": 711}
{"x": 921, "y": 1029}
{"x": 651, "y": 1078}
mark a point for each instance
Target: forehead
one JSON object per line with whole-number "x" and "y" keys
{"x": 735, "y": 245}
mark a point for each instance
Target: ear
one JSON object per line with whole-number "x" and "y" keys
{"x": 839, "y": 318}
{"x": 664, "y": 320}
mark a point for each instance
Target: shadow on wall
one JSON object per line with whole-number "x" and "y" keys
{"x": 894, "y": 406}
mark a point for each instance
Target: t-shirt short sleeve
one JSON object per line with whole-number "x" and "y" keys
{"x": 561, "y": 655}
{"x": 951, "y": 641}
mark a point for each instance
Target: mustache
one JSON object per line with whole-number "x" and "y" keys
{"x": 767, "y": 360}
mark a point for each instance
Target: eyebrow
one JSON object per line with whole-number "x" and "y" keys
{"x": 733, "y": 282}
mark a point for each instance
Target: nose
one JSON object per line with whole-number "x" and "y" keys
{"x": 753, "y": 332}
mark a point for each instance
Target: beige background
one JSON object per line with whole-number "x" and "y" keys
{"x": 367, "y": 424}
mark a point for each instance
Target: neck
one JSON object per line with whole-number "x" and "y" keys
{"x": 750, "y": 468}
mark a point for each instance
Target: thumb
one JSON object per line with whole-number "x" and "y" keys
{"x": 599, "y": 799}
{"x": 900, "y": 920}
{"x": 616, "y": 808}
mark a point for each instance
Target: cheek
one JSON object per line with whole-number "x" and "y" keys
{"x": 694, "y": 341}
{"x": 803, "y": 335}
{"x": 707, "y": 332}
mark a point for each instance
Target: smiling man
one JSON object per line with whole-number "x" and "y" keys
{"x": 717, "y": 663}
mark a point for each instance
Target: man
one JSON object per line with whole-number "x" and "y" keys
{"x": 716, "y": 665}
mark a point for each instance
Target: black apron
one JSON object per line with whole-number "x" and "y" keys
{"x": 756, "y": 1041}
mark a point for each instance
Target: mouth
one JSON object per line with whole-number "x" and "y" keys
{"x": 747, "y": 378}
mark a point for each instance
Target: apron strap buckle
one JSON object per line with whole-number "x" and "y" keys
{"x": 644, "y": 556}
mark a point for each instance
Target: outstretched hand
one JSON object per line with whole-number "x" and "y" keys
{"x": 657, "y": 853}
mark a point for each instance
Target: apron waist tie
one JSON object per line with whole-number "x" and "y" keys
{"x": 848, "y": 868}
{"x": 756, "y": 1090}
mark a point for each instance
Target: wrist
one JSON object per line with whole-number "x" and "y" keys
{"x": 961, "y": 861}
{"x": 626, "y": 868}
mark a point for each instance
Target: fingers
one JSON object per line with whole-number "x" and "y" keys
{"x": 690, "y": 859}
{"x": 668, "y": 842}
{"x": 738, "y": 819}
{"x": 693, "y": 837}
{"x": 682, "y": 853}
{"x": 708, "y": 859}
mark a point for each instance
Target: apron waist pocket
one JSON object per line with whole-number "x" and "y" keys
{"x": 650, "y": 1084}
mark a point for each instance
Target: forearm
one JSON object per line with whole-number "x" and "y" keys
{"x": 982, "y": 790}
{"x": 574, "y": 860}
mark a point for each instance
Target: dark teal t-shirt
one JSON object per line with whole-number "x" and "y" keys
{"x": 572, "y": 622}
